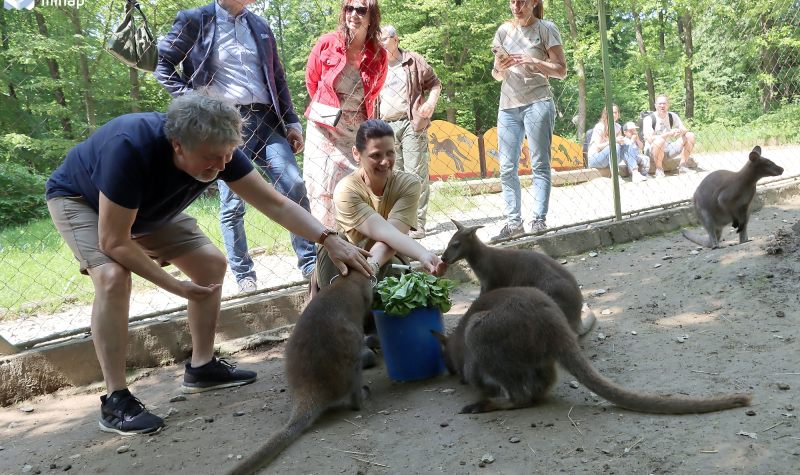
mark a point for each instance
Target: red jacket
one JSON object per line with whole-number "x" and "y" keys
{"x": 329, "y": 57}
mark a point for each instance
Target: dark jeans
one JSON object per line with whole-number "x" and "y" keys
{"x": 270, "y": 152}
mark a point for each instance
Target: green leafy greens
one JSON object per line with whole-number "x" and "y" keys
{"x": 399, "y": 296}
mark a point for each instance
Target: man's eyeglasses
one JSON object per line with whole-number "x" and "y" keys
{"x": 360, "y": 11}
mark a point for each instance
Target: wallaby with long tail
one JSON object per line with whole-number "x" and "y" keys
{"x": 509, "y": 341}
{"x": 724, "y": 197}
{"x": 323, "y": 362}
{"x": 496, "y": 268}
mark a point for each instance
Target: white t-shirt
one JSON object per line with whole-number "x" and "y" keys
{"x": 394, "y": 94}
{"x": 661, "y": 125}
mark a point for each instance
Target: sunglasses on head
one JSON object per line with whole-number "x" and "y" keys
{"x": 360, "y": 11}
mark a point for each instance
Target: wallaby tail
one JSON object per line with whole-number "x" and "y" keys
{"x": 577, "y": 364}
{"x": 276, "y": 443}
{"x": 703, "y": 241}
{"x": 588, "y": 319}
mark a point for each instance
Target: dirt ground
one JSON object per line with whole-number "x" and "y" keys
{"x": 671, "y": 319}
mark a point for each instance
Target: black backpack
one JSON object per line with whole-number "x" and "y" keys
{"x": 652, "y": 116}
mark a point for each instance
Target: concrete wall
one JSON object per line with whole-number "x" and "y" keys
{"x": 73, "y": 362}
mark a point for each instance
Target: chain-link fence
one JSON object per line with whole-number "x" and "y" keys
{"x": 518, "y": 139}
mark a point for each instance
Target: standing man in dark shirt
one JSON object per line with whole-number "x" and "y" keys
{"x": 117, "y": 201}
{"x": 232, "y": 52}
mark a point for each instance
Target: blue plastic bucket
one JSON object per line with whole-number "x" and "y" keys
{"x": 409, "y": 349}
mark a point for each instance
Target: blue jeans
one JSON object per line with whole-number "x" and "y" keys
{"x": 627, "y": 153}
{"x": 270, "y": 152}
{"x": 536, "y": 121}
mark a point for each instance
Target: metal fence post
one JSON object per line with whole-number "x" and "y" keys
{"x": 612, "y": 144}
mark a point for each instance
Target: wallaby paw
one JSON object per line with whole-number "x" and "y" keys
{"x": 372, "y": 342}
{"x": 368, "y": 358}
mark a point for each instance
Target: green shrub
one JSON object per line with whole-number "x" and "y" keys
{"x": 40, "y": 154}
{"x": 21, "y": 195}
{"x": 779, "y": 127}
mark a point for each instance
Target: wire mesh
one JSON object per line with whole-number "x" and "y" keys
{"x": 508, "y": 146}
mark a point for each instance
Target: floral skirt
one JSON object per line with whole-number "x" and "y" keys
{"x": 328, "y": 158}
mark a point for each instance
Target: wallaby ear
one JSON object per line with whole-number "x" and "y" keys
{"x": 459, "y": 226}
{"x": 442, "y": 339}
{"x": 473, "y": 229}
{"x": 755, "y": 154}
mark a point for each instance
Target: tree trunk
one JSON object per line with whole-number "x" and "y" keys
{"x": 478, "y": 119}
{"x": 83, "y": 68}
{"x": 52, "y": 65}
{"x": 4, "y": 38}
{"x": 767, "y": 66}
{"x": 136, "y": 93}
{"x": 661, "y": 32}
{"x": 648, "y": 69}
{"x": 454, "y": 63}
{"x": 280, "y": 31}
{"x": 573, "y": 34}
{"x": 450, "y": 93}
{"x": 688, "y": 79}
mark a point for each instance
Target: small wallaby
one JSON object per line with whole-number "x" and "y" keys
{"x": 724, "y": 197}
{"x": 509, "y": 341}
{"x": 323, "y": 362}
{"x": 498, "y": 268}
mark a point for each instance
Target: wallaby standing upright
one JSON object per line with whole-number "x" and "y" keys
{"x": 323, "y": 362}
{"x": 509, "y": 341}
{"x": 724, "y": 197}
{"x": 498, "y": 268}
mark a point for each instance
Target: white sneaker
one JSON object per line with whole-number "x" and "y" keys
{"x": 636, "y": 177}
{"x": 248, "y": 284}
{"x": 659, "y": 173}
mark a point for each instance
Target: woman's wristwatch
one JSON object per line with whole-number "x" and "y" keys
{"x": 324, "y": 236}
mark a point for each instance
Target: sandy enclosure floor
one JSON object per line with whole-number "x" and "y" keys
{"x": 734, "y": 310}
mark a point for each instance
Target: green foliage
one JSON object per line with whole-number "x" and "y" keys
{"x": 776, "y": 128}
{"x": 40, "y": 154}
{"x": 399, "y": 296}
{"x": 21, "y": 195}
{"x": 746, "y": 61}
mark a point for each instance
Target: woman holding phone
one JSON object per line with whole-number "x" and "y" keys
{"x": 528, "y": 52}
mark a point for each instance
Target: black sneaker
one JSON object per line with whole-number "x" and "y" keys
{"x": 508, "y": 232}
{"x": 538, "y": 226}
{"x": 215, "y": 374}
{"x": 124, "y": 414}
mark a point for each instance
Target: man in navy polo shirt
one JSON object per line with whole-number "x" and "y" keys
{"x": 118, "y": 202}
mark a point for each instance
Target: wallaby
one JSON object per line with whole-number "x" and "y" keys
{"x": 724, "y": 197}
{"x": 498, "y": 268}
{"x": 323, "y": 362}
{"x": 509, "y": 341}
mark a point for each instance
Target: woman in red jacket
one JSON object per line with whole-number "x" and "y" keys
{"x": 345, "y": 72}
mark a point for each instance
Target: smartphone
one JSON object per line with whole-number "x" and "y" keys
{"x": 501, "y": 53}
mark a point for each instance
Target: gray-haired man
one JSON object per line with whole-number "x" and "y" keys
{"x": 118, "y": 202}
{"x": 403, "y": 105}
